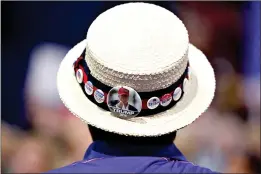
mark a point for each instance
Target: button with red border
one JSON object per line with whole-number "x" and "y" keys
{"x": 165, "y": 100}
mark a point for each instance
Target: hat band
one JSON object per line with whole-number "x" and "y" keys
{"x": 163, "y": 99}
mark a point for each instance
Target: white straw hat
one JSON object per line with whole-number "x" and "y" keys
{"x": 139, "y": 53}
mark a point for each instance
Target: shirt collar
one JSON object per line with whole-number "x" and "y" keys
{"x": 101, "y": 149}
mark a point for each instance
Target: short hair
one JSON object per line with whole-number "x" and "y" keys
{"x": 99, "y": 134}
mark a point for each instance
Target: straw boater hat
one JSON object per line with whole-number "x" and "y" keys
{"x": 145, "y": 49}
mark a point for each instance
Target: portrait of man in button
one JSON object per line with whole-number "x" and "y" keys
{"x": 124, "y": 102}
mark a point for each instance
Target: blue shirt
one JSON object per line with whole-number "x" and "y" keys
{"x": 102, "y": 157}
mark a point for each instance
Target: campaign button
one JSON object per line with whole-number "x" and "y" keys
{"x": 153, "y": 102}
{"x": 79, "y": 76}
{"x": 99, "y": 96}
{"x": 88, "y": 88}
{"x": 165, "y": 100}
{"x": 185, "y": 85}
{"x": 177, "y": 94}
{"x": 189, "y": 72}
{"x": 124, "y": 102}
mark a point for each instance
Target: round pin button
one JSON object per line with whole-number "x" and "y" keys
{"x": 177, "y": 94}
{"x": 185, "y": 85}
{"x": 79, "y": 76}
{"x": 153, "y": 102}
{"x": 99, "y": 96}
{"x": 124, "y": 102}
{"x": 165, "y": 100}
{"x": 189, "y": 72}
{"x": 88, "y": 88}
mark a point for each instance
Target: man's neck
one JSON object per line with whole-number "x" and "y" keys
{"x": 125, "y": 149}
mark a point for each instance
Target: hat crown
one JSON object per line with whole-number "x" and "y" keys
{"x": 139, "y": 45}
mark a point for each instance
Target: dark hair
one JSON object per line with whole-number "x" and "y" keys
{"x": 98, "y": 134}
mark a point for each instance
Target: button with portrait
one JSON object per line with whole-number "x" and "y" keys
{"x": 124, "y": 102}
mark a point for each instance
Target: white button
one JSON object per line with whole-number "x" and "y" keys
{"x": 79, "y": 76}
{"x": 88, "y": 88}
{"x": 185, "y": 85}
{"x": 177, "y": 94}
{"x": 153, "y": 102}
{"x": 99, "y": 96}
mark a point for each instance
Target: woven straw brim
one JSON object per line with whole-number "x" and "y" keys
{"x": 199, "y": 93}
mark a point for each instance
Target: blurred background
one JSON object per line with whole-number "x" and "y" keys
{"x": 38, "y": 133}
